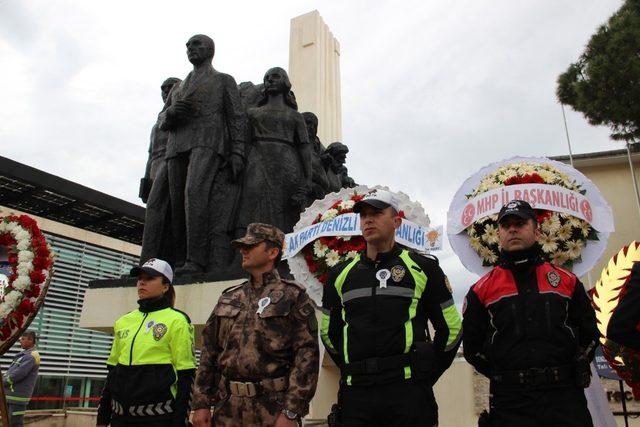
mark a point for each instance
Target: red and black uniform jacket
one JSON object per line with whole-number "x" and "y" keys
{"x": 527, "y": 313}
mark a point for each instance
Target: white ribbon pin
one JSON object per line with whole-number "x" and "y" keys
{"x": 149, "y": 326}
{"x": 262, "y": 304}
{"x": 383, "y": 276}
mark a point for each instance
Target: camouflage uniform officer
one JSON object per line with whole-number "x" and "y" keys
{"x": 259, "y": 362}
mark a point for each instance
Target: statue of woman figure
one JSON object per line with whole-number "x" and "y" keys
{"x": 277, "y": 180}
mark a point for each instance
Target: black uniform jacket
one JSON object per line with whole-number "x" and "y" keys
{"x": 527, "y": 313}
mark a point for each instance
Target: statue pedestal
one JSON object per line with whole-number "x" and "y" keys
{"x": 106, "y": 300}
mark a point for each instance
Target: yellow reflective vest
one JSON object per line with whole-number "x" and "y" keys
{"x": 151, "y": 365}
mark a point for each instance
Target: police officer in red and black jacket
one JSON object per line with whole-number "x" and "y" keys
{"x": 530, "y": 328}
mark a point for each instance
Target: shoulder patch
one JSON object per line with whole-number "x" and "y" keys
{"x": 233, "y": 288}
{"x": 183, "y": 313}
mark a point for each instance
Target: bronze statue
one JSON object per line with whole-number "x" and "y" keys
{"x": 154, "y": 189}
{"x": 319, "y": 181}
{"x": 206, "y": 126}
{"x": 277, "y": 178}
{"x": 337, "y": 174}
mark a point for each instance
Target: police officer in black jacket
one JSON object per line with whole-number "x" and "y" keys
{"x": 530, "y": 328}
{"x": 374, "y": 325}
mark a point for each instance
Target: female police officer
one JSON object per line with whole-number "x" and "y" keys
{"x": 152, "y": 363}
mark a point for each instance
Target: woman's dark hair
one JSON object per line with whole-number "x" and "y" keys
{"x": 289, "y": 97}
{"x": 170, "y": 295}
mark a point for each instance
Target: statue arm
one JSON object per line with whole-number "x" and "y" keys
{"x": 305, "y": 148}
{"x": 235, "y": 116}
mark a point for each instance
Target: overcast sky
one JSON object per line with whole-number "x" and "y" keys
{"x": 431, "y": 91}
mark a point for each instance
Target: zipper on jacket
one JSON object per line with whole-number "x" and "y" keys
{"x": 133, "y": 341}
{"x": 515, "y": 318}
{"x": 547, "y": 310}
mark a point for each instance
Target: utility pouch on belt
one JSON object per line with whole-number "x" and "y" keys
{"x": 422, "y": 360}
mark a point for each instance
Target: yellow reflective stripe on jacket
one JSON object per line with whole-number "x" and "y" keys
{"x": 454, "y": 323}
{"x": 338, "y": 285}
{"x": 420, "y": 279}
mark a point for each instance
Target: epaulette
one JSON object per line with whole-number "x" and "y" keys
{"x": 293, "y": 283}
{"x": 183, "y": 313}
{"x": 233, "y": 288}
{"x": 429, "y": 257}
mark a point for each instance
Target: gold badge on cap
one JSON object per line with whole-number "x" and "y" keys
{"x": 553, "y": 278}
{"x": 159, "y": 329}
{"x": 397, "y": 273}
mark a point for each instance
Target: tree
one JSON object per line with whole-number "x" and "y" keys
{"x": 604, "y": 84}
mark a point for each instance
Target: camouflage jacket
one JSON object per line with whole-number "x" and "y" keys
{"x": 241, "y": 344}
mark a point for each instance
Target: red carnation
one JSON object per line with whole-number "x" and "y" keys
{"x": 25, "y": 307}
{"x": 336, "y": 204}
{"x": 36, "y": 276}
{"x": 5, "y": 331}
{"x": 401, "y": 214}
{"x": 532, "y": 178}
{"x": 34, "y": 292}
{"x": 543, "y": 215}
{"x": 323, "y": 278}
{"x": 356, "y": 198}
{"x": 312, "y": 267}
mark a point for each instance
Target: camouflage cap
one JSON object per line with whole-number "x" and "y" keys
{"x": 258, "y": 232}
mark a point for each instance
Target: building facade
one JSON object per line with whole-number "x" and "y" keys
{"x": 93, "y": 236}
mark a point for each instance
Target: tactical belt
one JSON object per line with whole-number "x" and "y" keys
{"x": 537, "y": 376}
{"x": 252, "y": 389}
{"x": 375, "y": 365}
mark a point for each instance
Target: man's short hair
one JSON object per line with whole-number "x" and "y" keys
{"x": 31, "y": 335}
{"x": 271, "y": 245}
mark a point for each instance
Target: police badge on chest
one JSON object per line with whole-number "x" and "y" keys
{"x": 553, "y": 278}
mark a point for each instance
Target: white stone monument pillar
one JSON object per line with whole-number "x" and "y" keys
{"x": 314, "y": 70}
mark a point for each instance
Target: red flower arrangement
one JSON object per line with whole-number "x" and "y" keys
{"x": 30, "y": 263}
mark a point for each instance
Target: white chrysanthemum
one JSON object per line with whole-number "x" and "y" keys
{"x": 490, "y": 234}
{"x": 351, "y": 254}
{"x": 332, "y": 258}
{"x": 585, "y": 228}
{"x": 564, "y": 232}
{"x": 475, "y": 243}
{"x": 21, "y": 234}
{"x": 25, "y": 256}
{"x": 21, "y": 283}
{"x": 23, "y": 245}
{"x": 13, "y": 298}
{"x": 552, "y": 224}
{"x": 11, "y": 226}
{"x": 549, "y": 243}
{"x": 24, "y": 267}
{"x": 546, "y": 175}
{"x": 319, "y": 249}
{"x": 575, "y": 222}
{"x": 488, "y": 255}
{"x": 574, "y": 248}
{"x": 347, "y": 204}
{"x": 330, "y": 214}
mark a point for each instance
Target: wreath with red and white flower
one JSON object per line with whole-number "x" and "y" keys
{"x": 312, "y": 264}
{"x": 30, "y": 262}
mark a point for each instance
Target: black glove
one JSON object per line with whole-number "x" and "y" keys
{"x": 583, "y": 371}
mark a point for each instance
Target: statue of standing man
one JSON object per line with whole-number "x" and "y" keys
{"x": 206, "y": 123}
